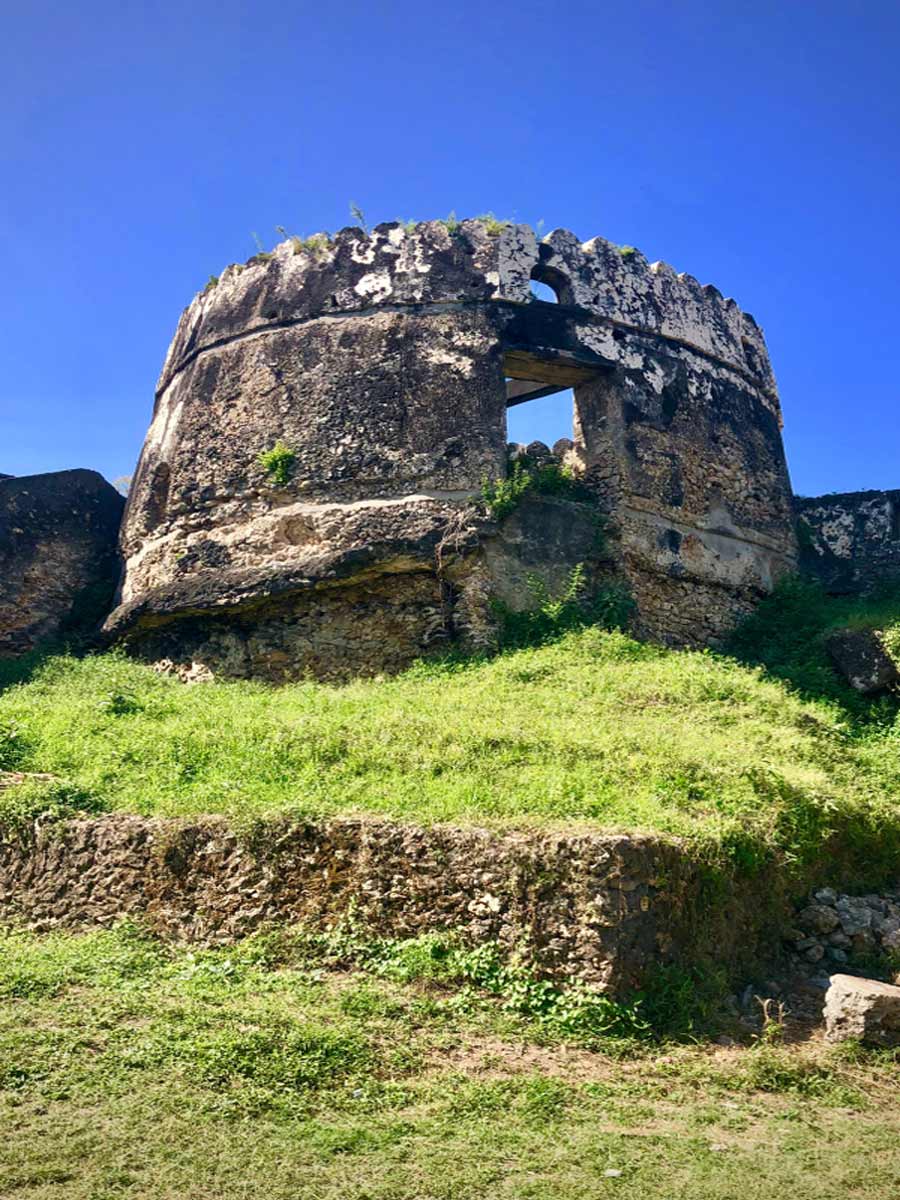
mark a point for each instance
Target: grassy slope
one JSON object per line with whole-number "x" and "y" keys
{"x": 592, "y": 728}
{"x": 274, "y": 1071}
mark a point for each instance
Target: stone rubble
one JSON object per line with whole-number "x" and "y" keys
{"x": 833, "y": 930}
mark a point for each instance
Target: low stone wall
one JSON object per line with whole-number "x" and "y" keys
{"x": 597, "y": 907}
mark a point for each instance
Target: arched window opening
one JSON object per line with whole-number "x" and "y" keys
{"x": 543, "y": 291}
{"x": 550, "y": 285}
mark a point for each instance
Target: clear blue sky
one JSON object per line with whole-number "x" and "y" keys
{"x": 754, "y": 145}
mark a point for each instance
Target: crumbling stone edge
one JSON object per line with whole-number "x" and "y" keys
{"x": 603, "y": 908}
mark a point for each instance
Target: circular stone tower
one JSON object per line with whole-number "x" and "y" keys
{"x": 326, "y": 414}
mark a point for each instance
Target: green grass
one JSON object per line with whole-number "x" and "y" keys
{"x": 594, "y": 728}
{"x": 277, "y": 1069}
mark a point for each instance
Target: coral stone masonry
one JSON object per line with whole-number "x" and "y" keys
{"x": 326, "y": 414}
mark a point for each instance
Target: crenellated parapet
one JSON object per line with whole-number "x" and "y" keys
{"x": 467, "y": 264}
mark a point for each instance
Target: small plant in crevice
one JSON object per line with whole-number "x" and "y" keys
{"x": 628, "y": 251}
{"x": 316, "y": 245}
{"x": 278, "y": 463}
{"x": 500, "y": 496}
{"x": 359, "y": 217}
{"x": 210, "y": 284}
{"x": 493, "y": 225}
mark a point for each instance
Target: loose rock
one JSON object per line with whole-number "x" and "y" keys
{"x": 864, "y": 1010}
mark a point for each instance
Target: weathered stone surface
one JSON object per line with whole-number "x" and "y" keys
{"x": 381, "y": 362}
{"x": 590, "y": 906}
{"x": 861, "y": 658}
{"x": 865, "y": 1010}
{"x": 59, "y": 563}
{"x": 851, "y": 540}
{"x": 818, "y": 918}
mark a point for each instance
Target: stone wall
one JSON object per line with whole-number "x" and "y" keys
{"x": 598, "y": 907}
{"x": 851, "y": 540}
{"x": 59, "y": 562}
{"x": 383, "y": 363}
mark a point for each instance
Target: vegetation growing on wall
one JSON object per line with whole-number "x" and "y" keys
{"x": 552, "y": 613}
{"x": 500, "y": 497}
{"x": 278, "y": 464}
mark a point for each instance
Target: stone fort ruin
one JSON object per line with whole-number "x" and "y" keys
{"x": 327, "y": 413}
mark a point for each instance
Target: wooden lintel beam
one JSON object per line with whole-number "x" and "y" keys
{"x": 550, "y": 367}
{"x": 520, "y": 390}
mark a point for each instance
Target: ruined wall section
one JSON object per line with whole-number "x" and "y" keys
{"x": 380, "y": 360}
{"x": 850, "y": 540}
{"x": 58, "y": 556}
{"x": 682, "y": 437}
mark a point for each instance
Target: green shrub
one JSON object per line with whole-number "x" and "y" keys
{"x": 681, "y": 1002}
{"x": 278, "y": 464}
{"x": 786, "y": 634}
{"x": 550, "y": 616}
{"x": 501, "y": 496}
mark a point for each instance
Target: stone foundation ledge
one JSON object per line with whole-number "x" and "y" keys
{"x": 598, "y": 907}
